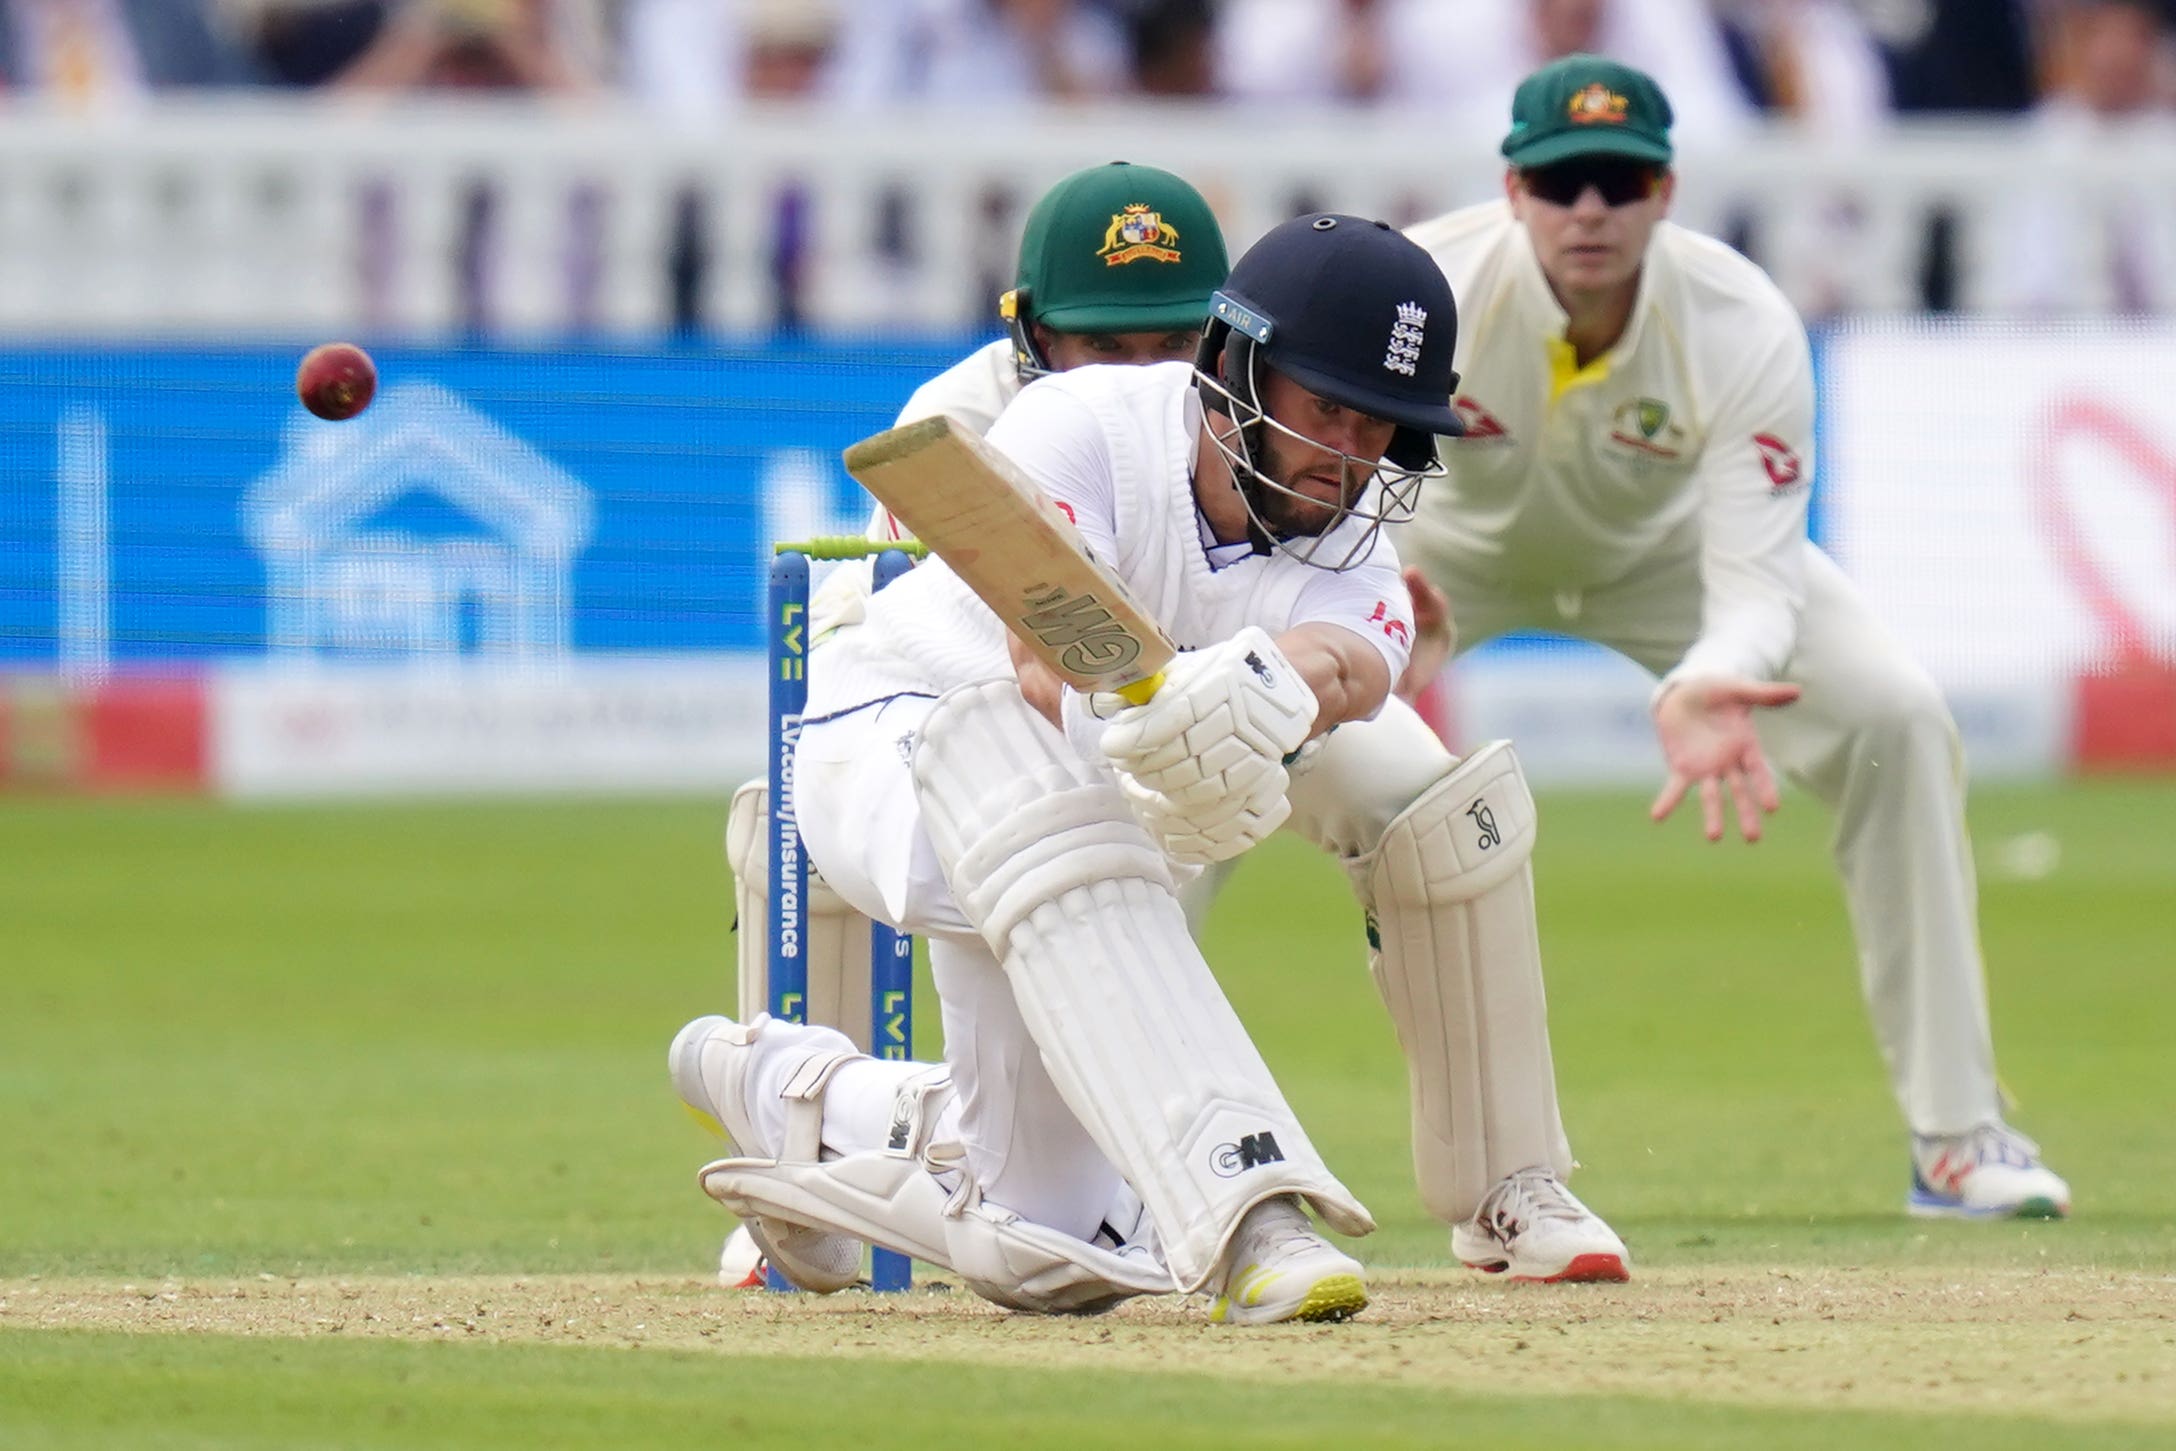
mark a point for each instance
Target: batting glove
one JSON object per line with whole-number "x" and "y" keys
{"x": 1200, "y": 828}
{"x": 1217, "y": 708}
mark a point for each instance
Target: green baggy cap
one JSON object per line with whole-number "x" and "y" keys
{"x": 1586, "y": 105}
{"x": 1120, "y": 248}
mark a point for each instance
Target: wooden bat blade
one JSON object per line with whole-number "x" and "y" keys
{"x": 1011, "y": 544}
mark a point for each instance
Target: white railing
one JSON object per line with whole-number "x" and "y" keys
{"x": 235, "y": 218}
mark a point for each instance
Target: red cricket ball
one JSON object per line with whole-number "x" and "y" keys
{"x": 336, "y": 380}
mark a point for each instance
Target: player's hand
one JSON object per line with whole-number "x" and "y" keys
{"x": 1237, "y": 698}
{"x": 1039, "y": 684}
{"x": 1202, "y": 763}
{"x": 1706, "y": 730}
{"x": 1435, "y": 636}
{"x": 1205, "y": 825}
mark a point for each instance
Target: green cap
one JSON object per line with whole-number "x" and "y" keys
{"x": 1118, "y": 248}
{"x": 1584, "y": 105}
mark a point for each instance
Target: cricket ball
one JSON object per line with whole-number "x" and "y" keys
{"x": 336, "y": 380}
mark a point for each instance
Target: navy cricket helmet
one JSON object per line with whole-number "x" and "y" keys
{"x": 1351, "y": 309}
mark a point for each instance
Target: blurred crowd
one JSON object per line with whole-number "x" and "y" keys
{"x": 1832, "y": 63}
{"x": 2067, "y": 71}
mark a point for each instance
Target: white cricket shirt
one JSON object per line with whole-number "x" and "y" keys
{"x": 1113, "y": 445}
{"x": 974, "y": 390}
{"x": 1691, "y": 438}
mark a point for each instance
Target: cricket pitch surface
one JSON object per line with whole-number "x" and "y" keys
{"x": 2064, "y": 1344}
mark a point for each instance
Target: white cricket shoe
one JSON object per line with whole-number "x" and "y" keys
{"x": 709, "y": 1060}
{"x": 740, "y": 1261}
{"x": 1530, "y": 1227}
{"x": 1278, "y": 1268}
{"x": 1992, "y": 1172}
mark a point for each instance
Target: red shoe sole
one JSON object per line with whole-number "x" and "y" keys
{"x": 1583, "y": 1270}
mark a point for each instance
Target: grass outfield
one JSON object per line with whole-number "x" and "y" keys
{"x": 287, "y": 1050}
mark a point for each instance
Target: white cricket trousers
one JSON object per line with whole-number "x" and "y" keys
{"x": 861, "y": 824}
{"x": 1872, "y": 738}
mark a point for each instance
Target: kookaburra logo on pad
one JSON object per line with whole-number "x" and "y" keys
{"x": 1406, "y": 335}
{"x": 1485, "y": 820}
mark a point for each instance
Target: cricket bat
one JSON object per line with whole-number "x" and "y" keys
{"x": 1011, "y": 544}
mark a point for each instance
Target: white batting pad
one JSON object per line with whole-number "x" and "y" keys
{"x": 883, "y": 1198}
{"x": 1022, "y": 1265}
{"x": 1449, "y": 893}
{"x": 892, "y": 1197}
{"x": 835, "y": 936}
{"x": 1077, "y": 901}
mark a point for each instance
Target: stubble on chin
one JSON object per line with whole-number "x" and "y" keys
{"x": 1300, "y": 516}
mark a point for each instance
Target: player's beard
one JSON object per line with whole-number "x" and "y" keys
{"x": 1290, "y": 515}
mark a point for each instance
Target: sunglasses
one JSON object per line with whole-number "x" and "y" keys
{"x": 1619, "y": 181}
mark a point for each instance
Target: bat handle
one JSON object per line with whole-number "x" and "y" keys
{"x": 1140, "y": 691}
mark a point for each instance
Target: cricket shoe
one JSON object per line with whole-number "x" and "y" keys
{"x": 710, "y": 1058}
{"x": 1992, "y": 1172}
{"x": 1278, "y": 1268}
{"x": 740, "y": 1261}
{"x": 1530, "y": 1227}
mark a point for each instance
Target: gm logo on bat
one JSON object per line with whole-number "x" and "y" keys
{"x": 1078, "y": 629}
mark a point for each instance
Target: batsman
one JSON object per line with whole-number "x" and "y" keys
{"x": 1082, "y": 294}
{"x": 1116, "y": 266}
{"x": 1102, "y": 1126}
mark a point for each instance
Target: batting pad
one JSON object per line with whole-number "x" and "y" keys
{"x": 883, "y": 1198}
{"x": 836, "y": 936}
{"x": 1077, "y": 902}
{"x": 1449, "y": 893}
{"x": 1022, "y": 1265}
{"x": 891, "y": 1197}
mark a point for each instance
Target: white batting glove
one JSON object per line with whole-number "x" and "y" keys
{"x": 1204, "y": 830}
{"x": 1217, "y": 707}
{"x": 1084, "y": 716}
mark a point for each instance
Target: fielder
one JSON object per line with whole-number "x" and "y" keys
{"x": 1102, "y": 1126}
{"x": 1638, "y": 442}
{"x": 1117, "y": 263}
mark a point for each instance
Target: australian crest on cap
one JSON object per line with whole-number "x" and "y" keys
{"x": 1406, "y": 335}
{"x": 1136, "y": 233}
{"x": 1597, "y": 104}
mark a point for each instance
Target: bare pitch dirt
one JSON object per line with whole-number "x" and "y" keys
{"x": 2059, "y": 1343}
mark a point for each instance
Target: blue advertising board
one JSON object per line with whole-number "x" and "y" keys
{"x": 172, "y": 504}
{"x": 178, "y": 504}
